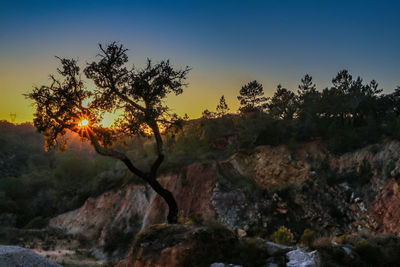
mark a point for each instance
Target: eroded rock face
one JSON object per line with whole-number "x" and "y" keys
{"x": 125, "y": 208}
{"x": 268, "y": 188}
{"x": 272, "y": 167}
{"x": 125, "y": 212}
{"x": 387, "y": 208}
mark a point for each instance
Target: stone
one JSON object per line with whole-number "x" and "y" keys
{"x": 241, "y": 233}
{"x": 11, "y": 256}
{"x": 274, "y": 249}
{"x": 301, "y": 258}
{"x": 98, "y": 254}
{"x": 347, "y": 250}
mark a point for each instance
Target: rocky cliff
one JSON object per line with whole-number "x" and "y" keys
{"x": 257, "y": 191}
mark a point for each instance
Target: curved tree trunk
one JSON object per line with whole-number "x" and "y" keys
{"x": 149, "y": 178}
{"x": 168, "y": 197}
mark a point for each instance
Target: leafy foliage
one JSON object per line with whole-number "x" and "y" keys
{"x": 308, "y": 237}
{"x": 138, "y": 94}
{"x": 282, "y": 236}
{"x": 47, "y": 183}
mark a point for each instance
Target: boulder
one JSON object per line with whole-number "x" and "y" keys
{"x": 179, "y": 245}
{"x": 241, "y": 233}
{"x": 301, "y": 258}
{"x": 11, "y": 256}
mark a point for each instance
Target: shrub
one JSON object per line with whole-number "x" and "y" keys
{"x": 282, "y": 236}
{"x": 308, "y": 237}
{"x": 343, "y": 239}
{"x": 36, "y": 223}
{"x": 257, "y": 231}
{"x": 211, "y": 243}
{"x": 191, "y": 219}
{"x": 343, "y": 139}
{"x": 195, "y": 219}
{"x": 322, "y": 242}
{"x": 368, "y": 251}
{"x": 118, "y": 239}
{"x": 12, "y": 187}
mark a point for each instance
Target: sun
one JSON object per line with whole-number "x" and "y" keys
{"x": 83, "y": 123}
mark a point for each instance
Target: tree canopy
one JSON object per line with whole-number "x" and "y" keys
{"x": 251, "y": 97}
{"x": 138, "y": 94}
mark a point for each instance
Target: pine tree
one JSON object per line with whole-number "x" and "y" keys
{"x": 222, "y": 108}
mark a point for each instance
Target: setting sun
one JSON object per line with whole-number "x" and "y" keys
{"x": 83, "y": 123}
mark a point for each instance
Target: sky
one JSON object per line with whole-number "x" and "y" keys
{"x": 226, "y": 43}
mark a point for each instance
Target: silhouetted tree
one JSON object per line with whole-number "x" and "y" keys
{"x": 138, "y": 93}
{"x": 308, "y": 96}
{"x": 283, "y": 104}
{"x": 308, "y": 107}
{"x": 252, "y": 97}
{"x": 208, "y": 114}
{"x": 393, "y": 101}
{"x": 350, "y": 99}
{"x": 222, "y": 108}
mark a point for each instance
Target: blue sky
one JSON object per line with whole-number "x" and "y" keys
{"x": 227, "y": 43}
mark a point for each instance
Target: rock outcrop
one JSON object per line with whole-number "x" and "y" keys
{"x": 264, "y": 189}
{"x": 190, "y": 245}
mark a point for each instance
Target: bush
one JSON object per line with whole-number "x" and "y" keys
{"x": 322, "y": 242}
{"x": 282, "y": 236}
{"x": 308, "y": 237}
{"x": 257, "y": 231}
{"x": 36, "y": 223}
{"x": 342, "y": 140}
{"x": 12, "y": 187}
{"x": 342, "y": 239}
{"x": 207, "y": 244}
{"x": 118, "y": 239}
{"x": 191, "y": 219}
{"x": 195, "y": 219}
{"x": 381, "y": 250}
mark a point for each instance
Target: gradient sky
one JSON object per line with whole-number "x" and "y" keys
{"x": 227, "y": 43}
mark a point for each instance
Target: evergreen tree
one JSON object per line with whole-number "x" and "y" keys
{"x": 283, "y": 104}
{"x": 222, "y": 108}
{"x": 252, "y": 97}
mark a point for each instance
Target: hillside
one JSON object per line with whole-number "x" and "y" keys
{"x": 256, "y": 193}
{"x": 219, "y": 171}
